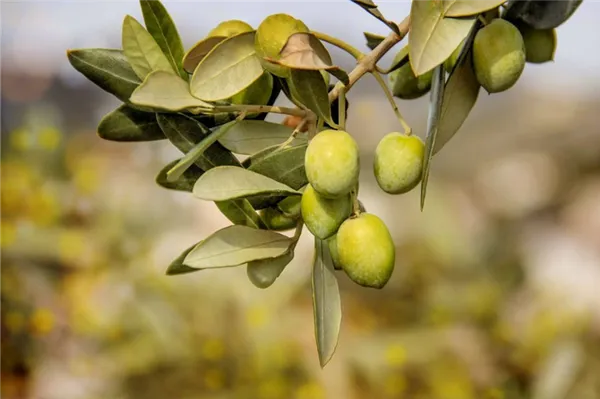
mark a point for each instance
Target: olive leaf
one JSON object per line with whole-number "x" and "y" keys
{"x": 142, "y": 51}
{"x": 327, "y": 305}
{"x": 126, "y": 124}
{"x": 236, "y": 245}
{"x": 241, "y": 212}
{"x": 398, "y": 61}
{"x": 373, "y": 39}
{"x": 194, "y": 55}
{"x": 310, "y": 89}
{"x": 249, "y": 136}
{"x": 177, "y": 267}
{"x": 263, "y": 273}
{"x": 371, "y": 8}
{"x": 465, "y": 8}
{"x": 460, "y": 94}
{"x": 230, "y": 67}
{"x": 433, "y": 38}
{"x": 541, "y": 14}
{"x": 185, "y": 182}
{"x": 166, "y": 91}
{"x": 286, "y": 165}
{"x": 197, "y": 151}
{"x": 290, "y": 206}
{"x": 306, "y": 52}
{"x": 232, "y": 182}
{"x": 162, "y": 28}
{"x": 107, "y": 68}
{"x": 435, "y": 109}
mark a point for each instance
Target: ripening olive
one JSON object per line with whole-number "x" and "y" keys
{"x": 404, "y": 83}
{"x": 275, "y": 219}
{"x": 271, "y": 37}
{"x": 332, "y": 163}
{"x": 498, "y": 55}
{"x": 366, "y": 250}
{"x": 398, "y": 164}
{"x": 323, "y": 216}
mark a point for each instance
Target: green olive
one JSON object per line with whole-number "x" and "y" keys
{"x": 366, "y": 250}
{"x": 404, "y": 83}
{"x": 332, "y": 163}
{"x": 323, "y": 216}
{"x": 275, "y": 219}
{"x": 498, "y": 55}
{"x": 540, "y": 44}
{"x": 398, "y": 164}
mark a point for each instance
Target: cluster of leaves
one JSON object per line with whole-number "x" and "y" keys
{"x": 212, "y": 101}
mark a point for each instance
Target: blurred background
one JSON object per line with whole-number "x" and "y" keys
{"x": 496, "y": 292}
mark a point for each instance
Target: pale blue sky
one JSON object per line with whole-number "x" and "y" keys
{"x": 35, "y": 34}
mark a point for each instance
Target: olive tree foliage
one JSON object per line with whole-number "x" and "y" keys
{"x": 211, "y": 100}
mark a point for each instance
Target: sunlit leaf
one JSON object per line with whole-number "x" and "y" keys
{"x": 310, "y": 89}
{"x": 227, "y": 69}
{"x": 373, "y": 39}
{"x": 194, "y": 55}
{"x": 126, "y": 124}
{"x": 161, "y": 26}
{"x": 185, "y": 182}
{"x": 237, "y": 245}
{"x": 433, "y": 38}
{"x": 372, "y": 9}
{"x": 327, "y": 305}
{"x": 435, "y": 109}
{"x": 263, "y": 273}
{"x": 249, "y": 137}
{"x": 177, "y": 267}
{"x": 463, "y": 8}
{"x": 142, "y": 51}
{"x": 231, "y": 182}
{"x": 166, "y": 91}
{"x": 108, "y": 69}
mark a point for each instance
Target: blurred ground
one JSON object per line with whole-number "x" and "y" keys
{"x": 495, "y": 293}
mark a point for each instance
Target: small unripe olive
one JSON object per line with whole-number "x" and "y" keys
{"x": 258, "y": 93}
{"x": 323, "y": 216}
{"x": 498, "y": 55}
{"x": 332, "y": 163}
{"x": 540, "y": 44}
{"x": 230, "y": 28}
{"x": 366, "y": 250}
{"x": 404, "y": 83}
{"x": 275, "y": 220}
{"x": 398, "y": 164}
{"x": 271, "y": 36}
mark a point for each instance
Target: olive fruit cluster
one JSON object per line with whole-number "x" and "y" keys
{"x": 359, "y": 242}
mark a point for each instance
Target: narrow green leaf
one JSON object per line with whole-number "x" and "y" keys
{"x": 162, "y": 28}
{"x": 310, "y": 89}
{"x": 435, "y": 109}
{"x": 126, "y": 124}
{"x": 464, "y": 8}
{"x": 166, "y": 91}
{"x": 327, "y": 304}
{"x": 194, "y": 55}
{"x": 249, "y": 137}
{"x": 107, "y": 68}
{"x": 373, "y": 39}
{"x": 232, "y": 182}
{"x": 433, "y": 38}
{"x": 237, "y": 245}
{"x": 263, "y": 273}
{"x": 241, "y": 212}
{"x": 177, "y": 267}
{"x": 227, "y": 69}
{"x": 197, "y": 151}
{"x": 142, "y": 52}
{"x": 371, "y": 8}
{"x": 182, "y": 131}
{"x": 460, "y": 95}
{"x": 284, "y": 165}
{"x": 184, "y": 183}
